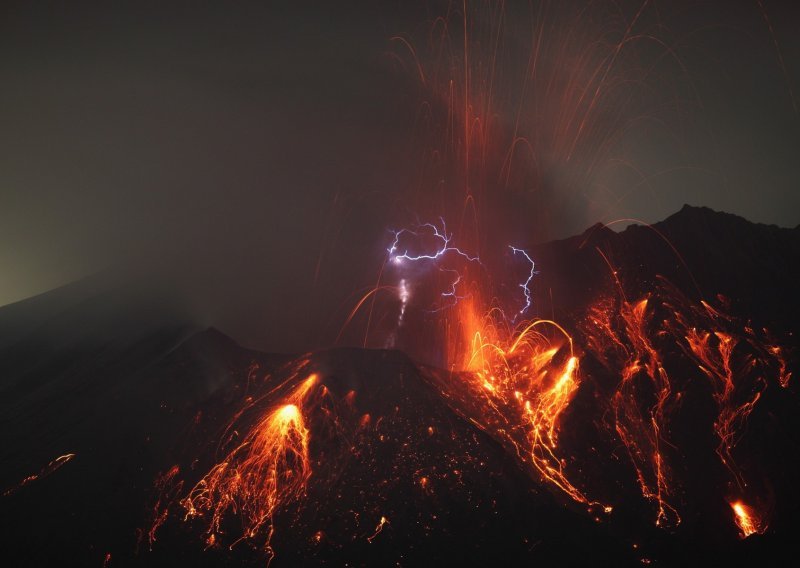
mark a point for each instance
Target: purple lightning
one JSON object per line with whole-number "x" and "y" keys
{"x": 441, "y": 243}
{"x": 436, "y": 233}
{"x": 526, "y": 285}
{"x": 451, "y": 293}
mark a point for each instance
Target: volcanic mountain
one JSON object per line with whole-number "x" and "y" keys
{"x": 132, "y": 438}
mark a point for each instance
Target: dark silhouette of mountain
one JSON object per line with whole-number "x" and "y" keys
{"x": 703, "y": 252}
{"x": 130, "y": 392}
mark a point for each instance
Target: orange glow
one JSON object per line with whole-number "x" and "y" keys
{"x": 641, "y": 403}
{"x": 378, "y": 529}
{"x": 517, "y": 380}
{"x": 714, "y": 352}
{"x": 166, "y": 492}
{"x": 746, "y": 520}
{"x": 45, "y": 471}
{"x": 269, "y": 469}
{"x": 516, "y": 387}
{"x": 737, "y": 362}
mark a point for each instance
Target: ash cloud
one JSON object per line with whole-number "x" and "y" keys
{"x": 247, "y": 159}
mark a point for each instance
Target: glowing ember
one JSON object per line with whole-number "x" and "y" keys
{"x": 45, "y": 471}
{"x": 269, "y": 469}
{"x": 516, "y": 379}
{"x": 379, "y": 528}
{"x": 516, "y": 388}
{"x": 746, "y": 520}
{"x": 640, "y": 418}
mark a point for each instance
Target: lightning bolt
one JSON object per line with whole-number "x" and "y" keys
{"x": 439, "y": 234}
{"x": 399, "y": 254}
{"x": 451, "y": 293}
{"x": 526, "y": 285}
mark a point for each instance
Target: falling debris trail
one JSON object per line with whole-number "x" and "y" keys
{"x": 47, "y": 470}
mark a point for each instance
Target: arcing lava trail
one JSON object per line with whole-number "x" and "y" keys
{"x": 644, "y": 361}
{"x": 613, "y": 398}
{"x": 591, "y": 400}
{"x": 557, "y": 443}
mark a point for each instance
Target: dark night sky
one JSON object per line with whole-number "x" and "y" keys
{"x": 205, "y": 145}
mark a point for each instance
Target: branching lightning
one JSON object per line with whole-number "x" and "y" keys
{"x": 436, "y": 233}
{"x": 451, "y": 293}
{"x": 526, "y": 285}
{"x": 426, "y": 234}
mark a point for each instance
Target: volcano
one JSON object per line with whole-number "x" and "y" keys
{"x": 133, "y": 438}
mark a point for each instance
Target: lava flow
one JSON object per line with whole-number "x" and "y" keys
{"x": 45, "y": 471}
{"x": 640, "y": 405}
{"x": 519, "y": 386}
{"x": 455, "y": 300}
{"x": 746, "y": 520}
{"x": 268, "y": 470}
{"x": 738, "y": 363}
{"x": 517, "y": 381}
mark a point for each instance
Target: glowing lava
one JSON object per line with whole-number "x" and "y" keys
{"x": 516, "y": 387}
{"x": 735, "y": 360}
{"x": 516, "y": 380}
{"x": 268, "y": 470}
{"x": 45, "y": 471}
{"x": 746, "y": 520}
{"x": 621, "y": 338}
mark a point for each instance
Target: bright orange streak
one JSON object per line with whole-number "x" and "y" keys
{"x": 735, "y": 359}
{"x": 379, "y": 528}
{"x": 640, "y": 422}
{"x": 269, "y": 469}
{"x": 746, "y": 520}
{"x": 737, "y": 363}
{"x": 517, "y": 388}
{"x": 714, "y": 360}
{"x": 784, "y": 375}
{"x": 46, "y": 470}
{"x": 357, "y": 307}
{"x": 166, "y": 492}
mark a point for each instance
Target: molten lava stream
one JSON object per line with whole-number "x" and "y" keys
{"x": 747, "y": 520}
{"x": 268, "y": 470}
{"x": 518, "y": 385}
{"x": 737, "y": 363}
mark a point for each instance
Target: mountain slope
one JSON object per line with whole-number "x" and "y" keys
{"x": 112, "y": 412}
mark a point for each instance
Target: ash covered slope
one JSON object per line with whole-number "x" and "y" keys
{"x": 132, "y": 395}
{"x": 446, "y": 491}
{"x": 398, "y": 478}
{"x": 112, "y": 397}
